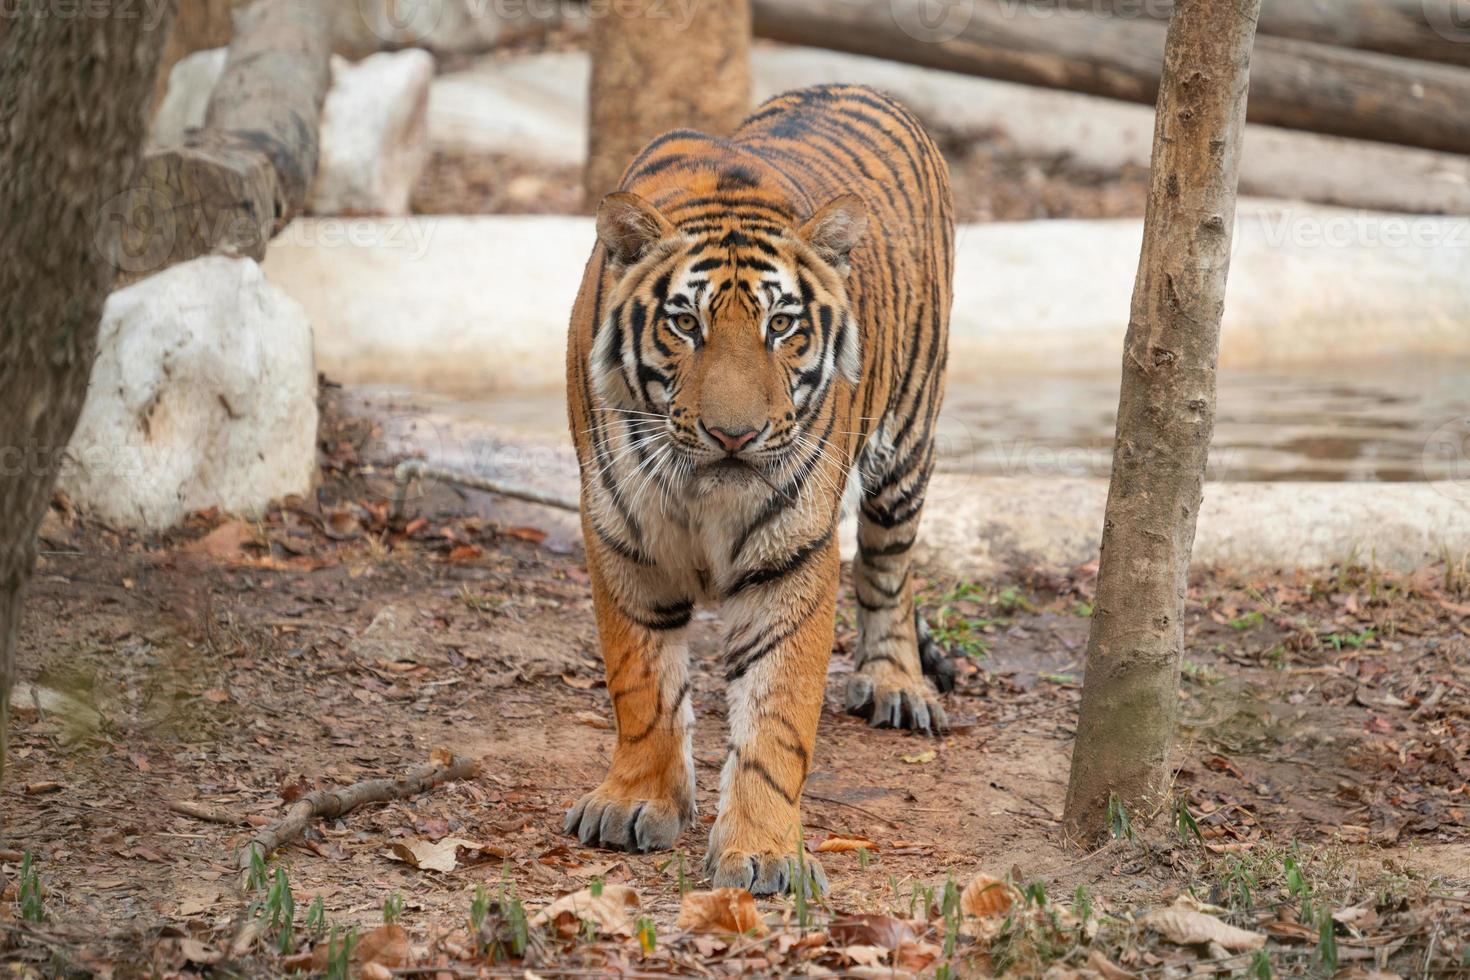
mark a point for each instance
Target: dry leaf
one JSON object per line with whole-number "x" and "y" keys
{"x": 197, "y": 952}
{"x": 444, "y": 854}
{"x": 592, "y": 720}
{"x": 916, "y": 955}
{"x": 724, "y": 910}
{"x": 840, "y": 843}
{"x": 386, "y": 946}
{"x": 226, "y": 541}
{"x": 928, "y": 755}
{"x": 985, "y": 896}
{"x": 1187, "y": 927}
{"x": 1106, "y": 968}
{"x": 580, "y": 683}
{"x": 864, "y": 955}
{"x": 461, "y": 553}
{"x": 532, "y": 534}
{"x": 870, "y": 930}
{"x": 611, "y": 911}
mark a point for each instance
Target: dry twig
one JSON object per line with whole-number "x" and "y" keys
{"x": 327, "y": 804}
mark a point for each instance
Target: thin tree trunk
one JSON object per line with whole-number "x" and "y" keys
{"x": 73, "y": 91}
{"x": 1166, "y": 414}
{"x": 658, "y": 66}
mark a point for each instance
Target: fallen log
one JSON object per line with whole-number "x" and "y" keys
{"x": 1296, "y": 84}
{"x": 1427, "y": 30}
{"x": 245, "y": 173}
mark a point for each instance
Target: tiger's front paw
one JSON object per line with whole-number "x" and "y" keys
{"x": 601, "y": 820}
{"x": 889, "y": 699}
{"x": 766, "y": 872}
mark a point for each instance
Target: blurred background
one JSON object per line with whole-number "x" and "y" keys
{"x": 464, "y": 144}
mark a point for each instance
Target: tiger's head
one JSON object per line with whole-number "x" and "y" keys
{"x": 727, "y": 338}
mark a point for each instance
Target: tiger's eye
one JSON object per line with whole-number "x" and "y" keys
{"x": 687, "y": 323}
{"x": 780, "y": 323}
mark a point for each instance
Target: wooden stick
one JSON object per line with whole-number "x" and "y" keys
{"x": 326, "y": 804}
{"x": 199, "y": 811}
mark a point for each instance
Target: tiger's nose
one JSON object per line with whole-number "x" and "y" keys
{"x": 732, "y": 439}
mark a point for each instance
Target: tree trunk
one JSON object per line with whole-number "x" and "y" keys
{"x": 1166, "y": 414}
{"x": 242, "y": 177}
{"x": 200, "y": 24}
{"x": 658, "y": 66}
{"x": 1430, "y": 30}
{"x": 1295, "y": 84}
{"x": 73, "y": 91}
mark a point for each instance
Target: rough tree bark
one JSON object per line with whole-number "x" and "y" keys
{"x": 73, "y": 91}
{"x": 1295, "y": 84}
{"x": 1166, "y": 414}
{"x": 658, "y": 66}
{"x": 245, "y": 174}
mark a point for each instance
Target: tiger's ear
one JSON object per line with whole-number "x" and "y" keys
{"x": 628, "y": 226}
{"x": 836, "y": 227}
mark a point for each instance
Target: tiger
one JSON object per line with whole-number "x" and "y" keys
{"x": 758, "y": 343}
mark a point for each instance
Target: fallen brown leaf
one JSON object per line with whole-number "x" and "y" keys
{"x": 723, "y": 910}
{"x": 870, "y": 930}
{"x": 1184, "y": 925}
{"x": 610, "y": 911}
{"x": 1106, "y": 968}
{"x": 840, "y": 843}
{"x": 985, "y": 896}
{"x": 385, "y": 947}
{"x": 226, "y": 541}
{"x": 444, "y": 854}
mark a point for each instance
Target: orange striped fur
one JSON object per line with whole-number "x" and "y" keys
{"x": 760, "y": 335}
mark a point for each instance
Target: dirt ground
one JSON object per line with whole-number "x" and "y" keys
{"x": 234, "y": 666}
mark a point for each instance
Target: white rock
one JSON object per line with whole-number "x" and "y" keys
{"x": 374, "y": 135}
{"x": 190, "y": 82}
{"x": 203, "y": 394}
{"x": 531, "y": 107}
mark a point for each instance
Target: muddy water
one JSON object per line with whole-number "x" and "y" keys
{"x": 1391, "y": 422}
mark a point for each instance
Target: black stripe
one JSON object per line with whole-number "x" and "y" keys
{"x": 780, "y": 569}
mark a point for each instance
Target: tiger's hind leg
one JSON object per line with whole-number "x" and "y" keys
{"x": 895, "y": 652}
